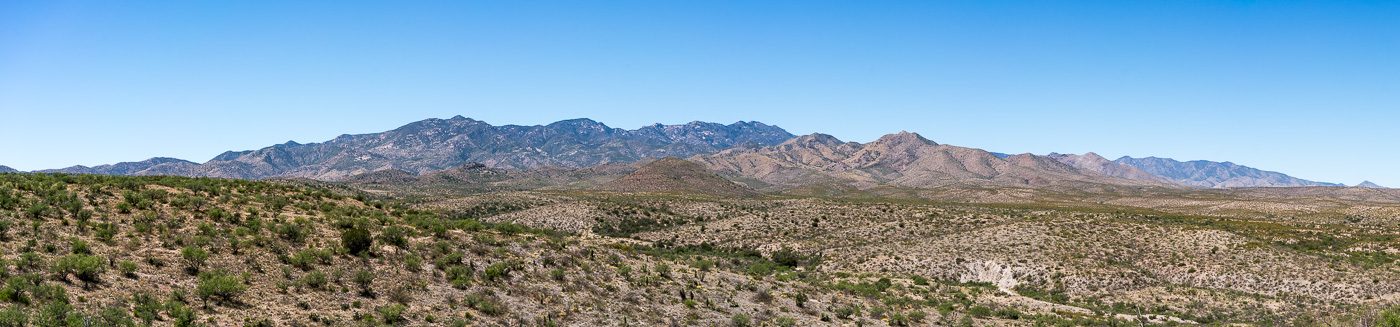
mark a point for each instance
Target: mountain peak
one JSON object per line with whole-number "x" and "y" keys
{"x": 904, "y": 137}
{"x": 814, "y": 139}
{"x": 7, "y": 169}
{"x": 1363, "y": 184}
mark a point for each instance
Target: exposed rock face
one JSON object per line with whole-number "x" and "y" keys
{"x": 1210, "y": 174}
{"x": 1003, "y": 276}
{"x": 903, "y": 159}
{"x": 676, "y": 175}
{"x": 438, "y": 144}
{"x": 1093, "y": 162}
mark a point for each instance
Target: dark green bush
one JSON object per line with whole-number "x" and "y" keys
{"x": 356, "y": 240}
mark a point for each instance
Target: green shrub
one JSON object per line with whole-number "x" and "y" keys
{"x": 487, "y": 305}
{"x": 356, "y": 240}
{"x": 624, "y": 270}
{"x": 392, "y": 314}
{"x": 413, "y": 263}
{"x": 29, "y": 261}
{"x": 459, "y": 276}
{"x": 220, "y": 285}
{"x": 81, "y": 246}
{"x": 13, "y": 317}
{"x": 182, "y": 316}
{"x": 146, "y": 307}
{"x": 395, "y": 236}
{"x": 364, "y": 278}
{"x": 898, "y": 319}
{"x": 194, "y": 258}
{"x": 128, "y": 268}
{"x": 917, "y": 316}
{"x": 739, "y": 320}
{"x": 307, "y": 258}
{"x": 846, "y": 311}
{"x": 980, "y": 311}
{"x": 557, "y": 274}
{"x": 291, "y": 232}
{"x": 1008, "y": 313}
{"x": 315, "y": 279}
{"x": 497, "y": 271}
{"x": 86, "y": 267}
{"x": 1389, "y": 318}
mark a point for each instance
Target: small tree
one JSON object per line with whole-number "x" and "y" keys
{"x": 356, "y": 240}
{"x": 194, "y": 258}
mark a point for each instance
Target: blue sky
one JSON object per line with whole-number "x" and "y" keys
{"x": 1308, "y": 88}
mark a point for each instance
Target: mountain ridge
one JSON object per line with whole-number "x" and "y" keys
{"x": 673, "y": 174}
{"x": 1211, "y": 174}
{"x": 435, "y": 144}
{"x": 902, "y": 159}
{"x": 423, "y": 147}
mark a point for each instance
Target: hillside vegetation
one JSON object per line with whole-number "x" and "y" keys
{"x": 91, "y": 250}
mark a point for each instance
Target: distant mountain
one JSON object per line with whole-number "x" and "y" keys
{"x": 432, "y": 145}
{"x": 676, "y": 175}
{"x": 903, "y": 160}
{"x": 1210, "y": 174}
{"x": 1093, "y": 162}
{"x": 1370, "y": 185}
{"x": 167, "y": 165}
{"x": 7, "y": 169}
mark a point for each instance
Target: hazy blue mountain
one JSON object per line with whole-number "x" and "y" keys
{"x": 439, "y": 144}
{"x": 7, "y": 169}
{"x": 1211, "y": 174}
{"x": 123, "y": 168}
{"x": 1370, "y": 185}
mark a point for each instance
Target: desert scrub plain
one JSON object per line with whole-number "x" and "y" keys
{"x": 1266, "y": 266}
{"x": 89, "y": 250}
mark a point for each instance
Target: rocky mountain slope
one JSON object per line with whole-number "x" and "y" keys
{"x": 7, "y": 169}
{"x": 902, "y": 160}
{"x": 1210, "y": 174}
{"x": 676, "y": 175}
{"x": 438, "y": 144}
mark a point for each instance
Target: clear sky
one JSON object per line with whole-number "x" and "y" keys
{"x": 1308, "y": 88}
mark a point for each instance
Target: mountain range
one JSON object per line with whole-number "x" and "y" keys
{"x": 763, "y": 157}
{"x": 438, "y": 144}
{"x": 905, "y": 160}
{"x": 1209, "y": 174}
